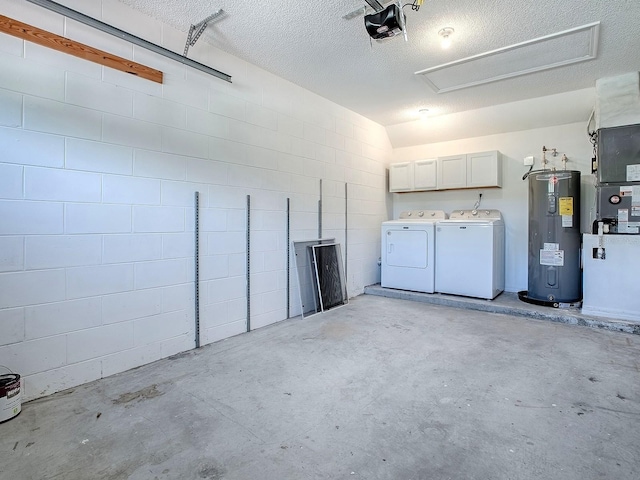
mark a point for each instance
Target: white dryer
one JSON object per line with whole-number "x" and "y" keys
{"x": 470, "y": 254}
{"x": 408, "y": 251}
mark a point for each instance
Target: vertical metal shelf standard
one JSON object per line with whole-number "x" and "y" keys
{"x": 346, "y": 239}
{"x": 197, "y": 266}
{"x": 248, "y": 263}
{"x": 288, "y": 258}
{"x": 320, "y": 212}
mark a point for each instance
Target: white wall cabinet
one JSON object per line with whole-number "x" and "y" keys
{"x": 413, "y": 176}
{"x": 452, "y": 172}
{"x": 484, "y": 169}
{"x": 472, "y": 170}
{"x": 401, "y": 177}
{"x": 425, "y": 174}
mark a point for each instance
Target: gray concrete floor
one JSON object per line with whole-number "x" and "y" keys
{"x": 380, "y": 389}
{"x": 510, "y": 304}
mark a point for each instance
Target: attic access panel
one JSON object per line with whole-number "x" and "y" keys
{"x": 558, "y": 49}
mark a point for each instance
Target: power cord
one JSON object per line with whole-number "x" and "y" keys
{"x": 477, "y": 204}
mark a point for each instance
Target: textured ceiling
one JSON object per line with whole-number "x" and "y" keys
{"x": 310, "y": 44}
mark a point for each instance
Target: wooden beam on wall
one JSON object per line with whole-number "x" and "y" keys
{"x": 77, "y": 49}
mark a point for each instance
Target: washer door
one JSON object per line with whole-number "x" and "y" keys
{"x": 464, "y": 259}
{"x": 406, "y": 248}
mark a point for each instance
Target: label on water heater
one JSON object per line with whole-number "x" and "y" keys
{"x": 566, "y": 205}
{"x": 552, "y": 257}
{"x": 567, "y": 221}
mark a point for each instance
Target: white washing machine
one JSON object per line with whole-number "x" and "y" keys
{"x": 408, "y": 251}
{"x": 470, "y": 254}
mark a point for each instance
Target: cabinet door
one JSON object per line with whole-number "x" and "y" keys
{"x": 424, "y": 174}
{"x": 452, "y": 172}
{"x": 401, "y": 177}
{"x": 484, "y": 169}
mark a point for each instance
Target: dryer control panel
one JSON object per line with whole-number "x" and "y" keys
{"x": 423, "y": 215}
{"x": 480, "y": 214}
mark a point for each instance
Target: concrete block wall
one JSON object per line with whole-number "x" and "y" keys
{"x": 98, "y": 171}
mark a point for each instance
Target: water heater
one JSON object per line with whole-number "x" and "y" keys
{"x": 555, "y": 277}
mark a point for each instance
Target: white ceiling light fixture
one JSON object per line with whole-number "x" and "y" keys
{"x": 423, "y": 112}
{"x": 446, "y": 33}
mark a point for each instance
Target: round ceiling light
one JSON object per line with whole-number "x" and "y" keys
{"x": 446, "y": 33}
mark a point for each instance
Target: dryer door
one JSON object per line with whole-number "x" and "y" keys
{"x": 405, "y": 247}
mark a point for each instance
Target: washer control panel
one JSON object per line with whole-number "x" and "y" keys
{"x": 480, "y": 214}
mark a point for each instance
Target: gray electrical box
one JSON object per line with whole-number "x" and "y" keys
{"x": 618, "y": 188}
{"x": 617, "y": 208}
{"x": 619, "y": 154}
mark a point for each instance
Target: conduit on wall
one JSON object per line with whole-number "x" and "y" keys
{"x": 116, "y": 32}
